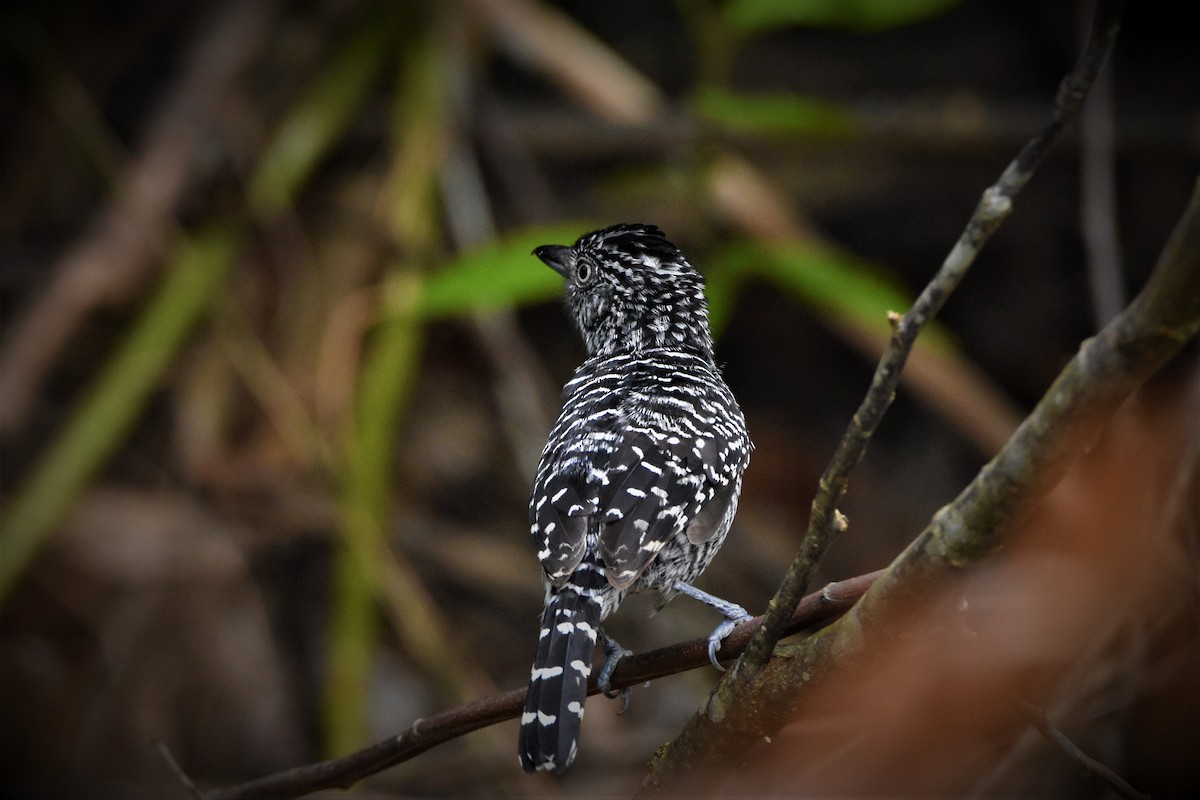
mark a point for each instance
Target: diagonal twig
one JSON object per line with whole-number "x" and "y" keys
{"x": 1066, "y": 423}
{"x": 994, "y": 207}
{"x": 1038, "y": 719}
{"x": 704, "y": 735}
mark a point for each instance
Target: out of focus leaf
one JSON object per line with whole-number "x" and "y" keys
{"x": 390, "y": 363}
{"x": 502, "y": 274}
{"x": 772, "y": 114}
{"x": 828, "y": 281}
{"x": 195, "y": 272}
{"x": 314, "y": 124}
{"x": 723, "y": 279}
{"x": 389, "y": 370}
{"x": 862, "y": 16}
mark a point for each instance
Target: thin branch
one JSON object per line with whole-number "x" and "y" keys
{"x": 1090, "y": 766}
{"x": 1066, "y": 423}
{"x": 813, "y": 611}
{"x": 169, "y": 758}
{"x": 1098, "y": 200}
{"x": 949, "y": 384}
{"x": 994, "y": 207}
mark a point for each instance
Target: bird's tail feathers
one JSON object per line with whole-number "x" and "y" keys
{"x": 550, "y": 724}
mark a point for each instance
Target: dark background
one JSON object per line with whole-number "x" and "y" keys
{"x": 186, "y": 597}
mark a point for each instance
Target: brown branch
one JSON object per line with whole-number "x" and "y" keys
{"x": 742, "y": 707}
{"x": 1066, "y": 423}
{"x": 172, "y": 764}
{"x": 1038, "y": 719}
{"x": 952, "y": 387}
{"x": 994, "y": 207}
{"x": 813, "y": 611}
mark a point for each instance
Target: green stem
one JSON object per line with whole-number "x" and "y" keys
{"x": 197, "y": 269}
{"x": 387, "y": 377}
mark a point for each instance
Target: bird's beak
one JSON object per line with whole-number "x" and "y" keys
{"x": 556, "y": 257}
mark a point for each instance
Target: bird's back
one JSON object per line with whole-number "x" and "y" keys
{"x": 650, "y": 442}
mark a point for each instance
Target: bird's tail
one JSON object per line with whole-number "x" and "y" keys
{"x": 549, "y": 737}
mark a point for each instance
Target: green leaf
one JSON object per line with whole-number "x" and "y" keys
{"x": 501, "y": 274}
{"x": 830, "y": 282}
{"x": 723, "y": 281}
{"x": 193, "y": 276}
{"x": 861, "y": 16}
{"x": 772, "y": 114}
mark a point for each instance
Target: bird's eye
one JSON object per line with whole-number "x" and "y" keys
{"x": 584, "y": 271}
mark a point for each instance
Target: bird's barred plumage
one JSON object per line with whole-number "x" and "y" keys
{"x": 639, "y": 479}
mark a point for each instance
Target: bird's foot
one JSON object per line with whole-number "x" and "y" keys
{"x": 614, "y": 653}
{"x": 734, "y": 614}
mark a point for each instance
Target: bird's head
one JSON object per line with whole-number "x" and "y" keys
{"x": 630, "y": 289}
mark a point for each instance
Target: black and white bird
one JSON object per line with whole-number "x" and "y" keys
{"x": 639, "y": 480}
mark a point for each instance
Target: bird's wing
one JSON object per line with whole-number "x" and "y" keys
{"x": 659, "y": 486}
{"x": 559, "y": 520}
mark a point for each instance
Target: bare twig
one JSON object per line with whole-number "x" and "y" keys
{"x": 951, "y": 385}
{"x": 176, "y": 770}
{"x": 703, "y": 735}
{"x": 994, "y": 207}
{"x": 1037, "y": 718}
{"x": 1098, "y": 200}
{"x": 815, "y": 610}
{"x": 1067, "y": 422}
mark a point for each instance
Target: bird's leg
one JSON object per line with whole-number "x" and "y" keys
{"x": 613, "y": 653}
{"x": 733, "y": 615}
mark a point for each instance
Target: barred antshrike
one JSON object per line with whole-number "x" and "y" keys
{"x": 639, "y": 480}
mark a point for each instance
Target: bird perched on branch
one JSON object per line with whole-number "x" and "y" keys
{"x": 639, "y": 480}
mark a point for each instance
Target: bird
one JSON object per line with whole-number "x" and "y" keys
{"x": 639, "y": 480}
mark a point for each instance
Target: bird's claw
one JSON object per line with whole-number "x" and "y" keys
{"x": 624, "y": 694}
{"x": 614, "y": 653}
{"x": 734, "y": 614}
{"x": 718, "y": 635}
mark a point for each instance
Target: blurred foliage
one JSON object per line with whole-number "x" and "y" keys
{"x": 318, "y": 119}
{"x": 833, "y": 284}
{"x": 356, "y": 295}
{"x": 495, "y": 276}
{"x": 772, "y": 114}
{"x": 863, "y": 16}
{"x": 386, "y": 380}
{"x": 193, "y": 276}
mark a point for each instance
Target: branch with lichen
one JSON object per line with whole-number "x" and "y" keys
{"x": 737, "y": 687}
{"x": 994, "y": 207}
{"x": 1068, "y": 420}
